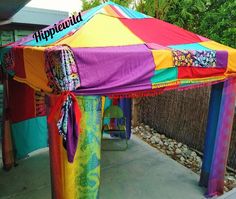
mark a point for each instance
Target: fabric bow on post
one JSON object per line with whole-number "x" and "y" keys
{"x": 68, "y": 124}
{"x": 63, "y": 78}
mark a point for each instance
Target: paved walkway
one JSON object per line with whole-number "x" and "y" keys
{"x": 141, "y": 172}
{"x": 230, "y": 195}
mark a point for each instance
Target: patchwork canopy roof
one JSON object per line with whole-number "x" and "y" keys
{"x": 115, "y": 50}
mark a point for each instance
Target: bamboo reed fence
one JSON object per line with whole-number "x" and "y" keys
{"x": 181, "y": 116}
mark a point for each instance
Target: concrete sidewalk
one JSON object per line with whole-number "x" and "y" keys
{"x": 230, "y": 195}
{"x": 141, "y": 172}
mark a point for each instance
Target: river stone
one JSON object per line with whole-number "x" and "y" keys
{"x": 182, "y": 159}
{"x": 161, "y": 143}
{"x": 152, "y": 140}
{"x": 147, "y": 136}
{"x": 172, "y": 144}
{"x": 179, "y": 145}
{"x": 158, "y": 135}
{"x": 178, "y": 151}
{"x": 162, "y": 136}
{"x": 231, "y": 178}
{"x": 166, "y": 143}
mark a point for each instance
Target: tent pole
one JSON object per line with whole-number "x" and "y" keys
{"x": 216, "y": 161}
{"x": 213, "y": 115}
{"x": 54, "y": 153}
{"x": 7, "y": 145}
{"x": 80, "y": 179}
{"x": 125, "y": 104}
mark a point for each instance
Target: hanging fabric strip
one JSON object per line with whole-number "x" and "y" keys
{"x": 68, "y": 123}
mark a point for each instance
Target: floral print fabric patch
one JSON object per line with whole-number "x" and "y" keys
{"x": 203, "y": 58}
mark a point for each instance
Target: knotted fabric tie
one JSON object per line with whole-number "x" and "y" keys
{"x": 68, "y": 123}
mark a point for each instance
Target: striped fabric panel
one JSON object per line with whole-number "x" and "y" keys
{"x": 109, "y": 11}
{"x": 120, "y": 12}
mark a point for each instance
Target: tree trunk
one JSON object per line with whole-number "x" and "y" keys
{"x": 156, "y": 8}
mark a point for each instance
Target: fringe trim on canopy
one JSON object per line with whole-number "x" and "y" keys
{"x": 200, "y": 85}
{"x": 158, "y": 91}
{"x": 166, "y": 84}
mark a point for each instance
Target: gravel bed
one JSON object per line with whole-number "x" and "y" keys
{"x": 178, "y": 151}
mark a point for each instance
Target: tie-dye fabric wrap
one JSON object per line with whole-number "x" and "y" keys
{"x": 63, "y": 76}
{"x": 61, "y": 69}
{"x": 89, "y": 150}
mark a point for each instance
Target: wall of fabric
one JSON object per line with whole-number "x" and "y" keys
{"x": 29, "y": 135}
{"x": 27, "y": 114}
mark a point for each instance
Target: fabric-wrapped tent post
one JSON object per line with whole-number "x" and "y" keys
{"x": 139, "y": 56}
{"x": 79, "y": 179}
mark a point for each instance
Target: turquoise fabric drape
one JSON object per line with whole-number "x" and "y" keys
{"x": 29, "y": 135}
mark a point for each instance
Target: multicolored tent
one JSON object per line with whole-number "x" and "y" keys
{"x": 118, "y": 52}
